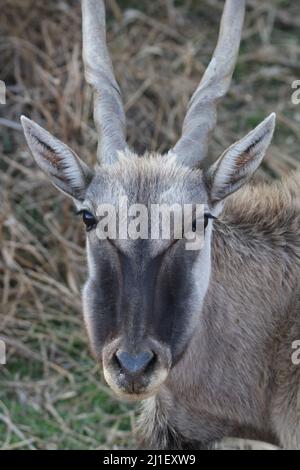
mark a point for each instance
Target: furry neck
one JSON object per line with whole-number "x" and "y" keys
{"x": 223, "y": 383}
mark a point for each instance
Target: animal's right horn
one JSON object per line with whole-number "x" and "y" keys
{"x": 109, "y": 115}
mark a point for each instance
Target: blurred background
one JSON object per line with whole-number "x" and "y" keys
{"x": 51, "y": 393}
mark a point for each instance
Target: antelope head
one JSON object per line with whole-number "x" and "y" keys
{"x": 143, "y": 297}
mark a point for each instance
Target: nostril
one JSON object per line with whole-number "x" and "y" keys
{"x": 134, "y": 364}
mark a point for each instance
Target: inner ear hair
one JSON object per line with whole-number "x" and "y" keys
{"x": 60, "y": 163}
{"x": 238, "y": 163}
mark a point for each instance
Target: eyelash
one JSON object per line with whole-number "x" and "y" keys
{"x": 207, "y": 216}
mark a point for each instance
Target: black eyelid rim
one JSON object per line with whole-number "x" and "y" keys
{"x": 81, "y": 211}
{"x": 209, "y": 215}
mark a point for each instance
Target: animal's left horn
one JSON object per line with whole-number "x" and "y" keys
{"x": 109, "y": 114}
{"x": 201, "y": 116}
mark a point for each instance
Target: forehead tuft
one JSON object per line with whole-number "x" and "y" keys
{"x": 152, "y": 178}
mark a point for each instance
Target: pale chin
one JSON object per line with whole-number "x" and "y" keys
{"x": 148, "y": 393}
{"x": 134, "y": 396}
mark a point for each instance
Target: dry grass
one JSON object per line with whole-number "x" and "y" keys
{"x": 50, "y": 392}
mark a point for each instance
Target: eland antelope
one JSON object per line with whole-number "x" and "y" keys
{"x": 203, "y": 337}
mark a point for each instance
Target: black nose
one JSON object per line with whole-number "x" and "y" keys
{"x": 134, "y": 365}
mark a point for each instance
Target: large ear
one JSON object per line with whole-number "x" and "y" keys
{"x": 238, "y": 163}
{"x": 64, "y": 168}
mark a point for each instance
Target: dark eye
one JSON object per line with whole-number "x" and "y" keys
{"x": 206, "y": 218}
{"x": 89, "y": 220}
